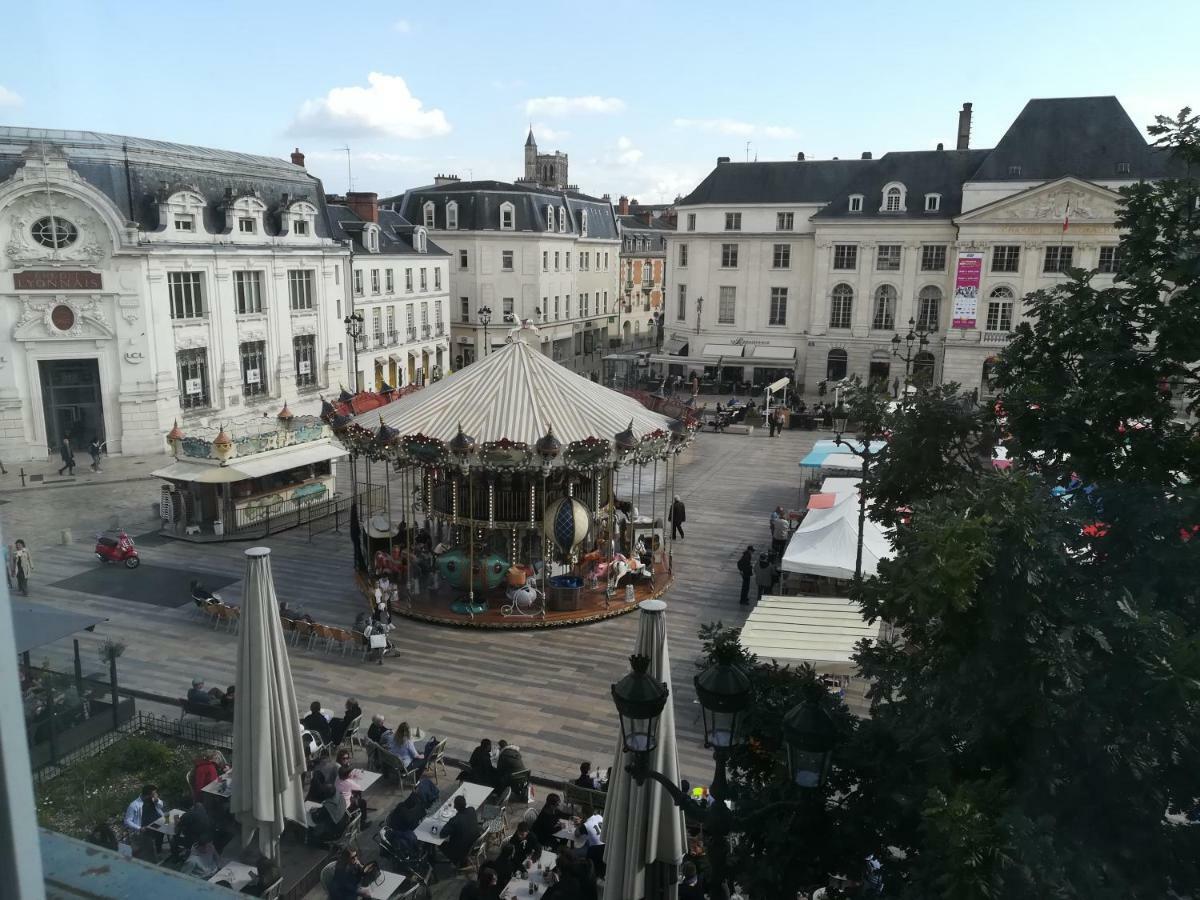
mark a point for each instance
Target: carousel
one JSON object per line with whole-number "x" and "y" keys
{"x": 511, "y": 494}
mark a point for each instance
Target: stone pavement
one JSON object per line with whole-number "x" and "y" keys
{"x": 545, "y": 690}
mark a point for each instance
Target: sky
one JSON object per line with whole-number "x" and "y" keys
{"x": 643, "y": 96}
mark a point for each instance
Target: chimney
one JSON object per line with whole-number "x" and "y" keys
{"x": 623, "y": 205}
{"x": 800, "y": 156}
{"x": 866, "y": 154}
{"x": 941, "y": 146}
{"x": 607, "y": 197}
{"x": 964, "y": 127}
{"x": 444, "y": 179}
{"x": 364, "y": 204}
{"x": 297, "y": 158}
{"x": 647, "y": 216}
{"x": 721, "y": 160}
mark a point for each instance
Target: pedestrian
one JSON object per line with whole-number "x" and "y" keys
{"x": 22, "y": 564}
{"x": 745, "y": 566}
{"x": 780, "y": 532}
{"x": 68, "y": 457}
{"x": 677, "y": 516}
{"x": 94, "y": 450}
{"x": 896, "y": 388}
{"x": 764, "y": 574}
{"x": 778, "y": 419}
{"x": 771, "y": 425}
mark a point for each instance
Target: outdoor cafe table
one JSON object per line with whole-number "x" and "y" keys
{"x": 237, "y": 874}
{"x": 518, "y": 886}
{"x": 567, "y": 833}
{"x": 387, "y": 884}
{"x": 475, "y": 794}
{"x": 166, "y": 825}
{"x": 221, "y": 787}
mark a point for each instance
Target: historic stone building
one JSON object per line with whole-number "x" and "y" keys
{"x": 644, "y": 233}
{"x": 814, "y": 265}
{"x": 143, "y": 281}
{"x": 547, "y": 170}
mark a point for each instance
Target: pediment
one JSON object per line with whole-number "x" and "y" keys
{"x": 1048, "y": 203}
{"x": 63, "y": 317}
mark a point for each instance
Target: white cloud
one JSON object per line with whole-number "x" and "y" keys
{"x": 735, "y": 127}
{"x": 9, "y": 98}
{"x": 542, "y": 132}
{"x": 627, "y": 154}
{"x": 565, "y": 106}
{"x": 402, "y": 26}
{"x": 386, "y": 108}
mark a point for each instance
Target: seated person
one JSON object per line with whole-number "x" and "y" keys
{"x": 586, "y": 779}
{"x": 351, "y": 790}
{"x": 505, "y": 866}
{"x": 375, "y": 732}
{"x": 548, "y": 821}
{"x": 480, "y": 769}
{"x": 203, "y": 861}
{"x": 690, "y": 887}
{"x": 195, "y": 827}
{"x": 525, "y": 846}
{"x": 338, "y": 725}
{"x": 145, "y": 810}
{"x": 461, "y": 832}
{"x": 266, "y": 873}
{"x": 402, "y": 824}
{"x": 485, "y": 886}
{"x": 590, "y": 828}
{"x": 316, "y": 722}
{"x": 198, "y": 695}
{"x": 204, "y": 772}
{"x": 295, "y": 615}
{"x": 403, "y": 746}
{"x": 321, "y": 784}
{"x": 346, "y": 883}
{"x": 508, "y": 763}
{"x": 226, "y": 699}
{"x": 426, "y": 791}
{"x": 330, "y": 821}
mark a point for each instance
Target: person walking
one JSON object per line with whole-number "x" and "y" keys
{"x": 764, "y": 574}
{"x": 68, "y": 457}
{"x": 677, "y": 516}
{"x": 94, "y": 450}
{"x": 771, "y": 425}
{"x": 781, "y": 530}
{"x": 745, "y": 566}
{"x": 22, "y": 565}
{"x": 777, "y": 417}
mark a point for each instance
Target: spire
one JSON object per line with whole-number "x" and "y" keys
{"x": 529, "y": 141}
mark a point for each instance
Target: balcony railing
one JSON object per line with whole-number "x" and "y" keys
{"x": 412, "y": 334}
{"x": 995, "y": 337}
{"x": 426, "y": 331}
{"x": 379, "y": 340}
{"x": 393, "y": 338}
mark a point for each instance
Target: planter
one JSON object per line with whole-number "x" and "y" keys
{"x": 562, "y": 593}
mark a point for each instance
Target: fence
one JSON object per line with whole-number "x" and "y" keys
{"x": 261, "y": 521}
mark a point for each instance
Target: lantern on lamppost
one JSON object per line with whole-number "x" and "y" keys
{"x": 640, "y": 700}
{"x": 809, "y": 735}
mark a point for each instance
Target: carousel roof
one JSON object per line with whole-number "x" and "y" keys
{"x": 517, "y": 393}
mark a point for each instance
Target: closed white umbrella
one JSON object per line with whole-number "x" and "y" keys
{"x": 642, "y": 825}
{"x": 268, "y": 756}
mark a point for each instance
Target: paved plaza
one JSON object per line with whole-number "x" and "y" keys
{"x": 545, "y": 690}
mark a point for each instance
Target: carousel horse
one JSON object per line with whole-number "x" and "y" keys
{"x": 393, "y": 564}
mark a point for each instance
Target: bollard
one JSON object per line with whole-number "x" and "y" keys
{"x": 66, "y": 535}
{"x": 22, "y": 477}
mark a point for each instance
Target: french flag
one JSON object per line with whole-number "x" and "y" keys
{"x": 1067, "y": 215}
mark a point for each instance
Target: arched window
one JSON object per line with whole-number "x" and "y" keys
{"x": 451, "y": 216}
{"x": 929, "y": 307}
{"x": 893, "y": 198}
{"x": 583, "y": 222}
{"x": 420, "y": 244}
{"x": 562, "y": 220}
{"x": 549, "y": 218}
{"x": 885, "y": 308}
{"x": 841, "y": 306}
{"x": 922, "y": 370}
{"x": 1000, "y": 310}
{"x": 508, "y": 216}
{"x": 427, "y": 213}
{"x": 835, "y": 365}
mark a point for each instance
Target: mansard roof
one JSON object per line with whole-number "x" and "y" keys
{"x": 395, "y": 233}
{"x": 921, "y": 172}
{"x": 791, "y": 181}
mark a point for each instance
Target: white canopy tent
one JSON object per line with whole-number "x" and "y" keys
{"x": 842, "y": 462}
{"x": 826, "y": 542}
{"x": 822, "y": 631}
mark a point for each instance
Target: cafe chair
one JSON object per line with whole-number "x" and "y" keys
{"x": 327, "y": 875}
{"x": 419, "y": 889}
{"x": 437, "y": 758}
{"x": 273, "y": 891}
{"x": 350, "y": 735}
{"x": 496, "y": 810}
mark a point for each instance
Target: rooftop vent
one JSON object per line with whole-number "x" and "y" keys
{"x": 941, "y": 146}
{"x": 800, "y": 156}
{"x": 866, "y": 154}
{"x": 721, "y": 160}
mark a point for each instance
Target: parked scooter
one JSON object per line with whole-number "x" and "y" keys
{"x": 117, "y": 548}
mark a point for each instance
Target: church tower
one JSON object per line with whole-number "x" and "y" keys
{"x": 531, "y": 159}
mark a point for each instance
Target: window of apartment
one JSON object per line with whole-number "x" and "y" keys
{"x": 1014, "y": 171}
{"x": 845, "y": 256}
{"x": 374, "y": 281}
{"x": 777, "y": 315}
{"x": 555, "y": 307}
{"x": 390, "y": 281}
{"x": 192, "y": 366}
{"x": 451, "y": 216}
{"x": 887, "y": 258}
{"x": 568, "y": 301}
{"x": 425, "y": 320}
{"x": 691, "y": 222}
{"x": 556, "y": 260}
{"x": 781, "y": 258}
{"x": 733, "y": 221}
{"x": 377, "y": 325}
{"x": 893, "y": 199}
{"x": 856, "y": 202}
{"x": 785, "y": 221}
{"x": 726, "y": 306}
{"x": 300, "y": 289}
{"x": 464, "y": 307}
{"x": 506, "y": 260}
{"x": 885, "y": 308}
{"x": 304, "y": 352}
{"x": 585, "y": 305}
{"x": 729, "y": 255}
{"x": 681, "y": 303}
{"x": 424, "y": 280}
{"x": 507, "y": 216}
{"x": 391, "y": 323}
{"x": 647, "y": 273}
{"x": 933, "y": 202}
{"x": 1000, "y": 310}
{"x": 187, "y": 300}
{"x": 1110, "y": 260}
{"x": 506, "y": 308}
{"x": 437, "y": 317}
{"x": 683, "y": 251}
{"x": 427, "y": 214}
{"x": 1006, "y": 257}
{"x": 929, "y": 307}
{"x": 933, "y": 258}
{"x": 462, "y": 259}
{"x": 254, "y": 368}
{"x": 246, "y": 225}
{"x": 562, "y": 220}
{"x": 583, "y": 222}
{"x": 247, "y": 291}
{"x": 1058, "y": 258}
{"x": 606, "y": 303}
{"x": 300, "y": 227}
{"x": 567, "y": 258}
{"x": 408, "y": 281}
{"x": 437, "y": 279}
{"x": 410, "y": 321}
{"x": 545, "y": 260}
{"x": 605, "y": 260}
{"x": 841, "y": 306}
{"x": 185, "y": 223}
{"x": 358, "y": 282}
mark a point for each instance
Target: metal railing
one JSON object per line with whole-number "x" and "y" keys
{"x": 260, "y": 521}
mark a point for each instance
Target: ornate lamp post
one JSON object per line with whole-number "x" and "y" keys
{"x": 914, "y": 344}
{"x": 485, "y": 317}
{"x": 354, "y": 330}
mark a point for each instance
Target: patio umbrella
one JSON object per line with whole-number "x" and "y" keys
{"x": 268, "y": 757}
{"x": 643, "y": 829}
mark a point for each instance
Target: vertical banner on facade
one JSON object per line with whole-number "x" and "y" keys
{"x": 966, "y": 290}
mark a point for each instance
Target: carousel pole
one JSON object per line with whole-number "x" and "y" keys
{"x": 471, "y": 550}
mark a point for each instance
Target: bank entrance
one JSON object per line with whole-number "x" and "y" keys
{"x": 71, "y": 402}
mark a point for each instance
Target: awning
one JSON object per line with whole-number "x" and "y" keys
{"x": 818, "y": 630}
{"x": 821, "y": 501}
{"x": 676, "y": 346}
{"x": 37, "y": 625}
{"x": 777, "y": 354}
{"x": 846, "y": 462}
{"x": 255, "y": 466}
{"x": 726, "y": 350}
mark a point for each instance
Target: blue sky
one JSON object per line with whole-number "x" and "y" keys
{"x": 643, "y": 96}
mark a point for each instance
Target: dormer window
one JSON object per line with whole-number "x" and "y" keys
{"x": 508, "y": 214}
{"x": 182, "y": 213}
{"x": 549, "y": 218}
{"x": 562, "y": 221}
{"x": 933, "y": 202}
{"x": 298, "y": 219}
{"x": 893, "y": 198}
{"x": 1123, "y": 168}
{"x": 583, "y": 222}
{"x": 452, "y": 216}
{"x": 244, "y": 216}
{"x": 420, "y": 243}
{"x": 856, "y": 202}
{"x": 185, "y": 223}
{"x": 300, "y": 227}
{"x": 427, "y": 214}
{"x": 370, "y": 238}
{"x": 246, "y": 225}
{"x": 1014, "y": 171}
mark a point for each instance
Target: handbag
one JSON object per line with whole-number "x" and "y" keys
{"x": 378, "y": 641}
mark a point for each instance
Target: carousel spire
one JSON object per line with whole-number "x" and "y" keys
{"x": 626, "y": 441}
{"x": 327, "y": 410}
{"x": 386, "y": 433}
{"x": 345, "y": 396}
{"x": 548, "y": 446}
{"x": 285, "y": 415}
{"x": 462, "y": 444}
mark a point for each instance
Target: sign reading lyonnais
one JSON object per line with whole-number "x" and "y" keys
{"x": 57, "y": 280}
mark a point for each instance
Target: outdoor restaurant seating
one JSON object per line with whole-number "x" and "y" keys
{"x": 384, "y": 760}
{"x": 578, "y": 797}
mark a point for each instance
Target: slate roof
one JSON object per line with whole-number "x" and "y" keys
{"x": 921, "y": 172}
{"x": 791, "y": 181}
{"x": 104, "y": 159}
{"x": 1082, "y": 136}
{"x": 395, "y": 233}
{"x": 479, "y": 207}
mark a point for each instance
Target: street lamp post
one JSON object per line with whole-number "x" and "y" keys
{"x": 485, "y": 316}
{"x": 914, "y": 344}
{"x": 862, "y": 449}
{"x": 354, "y": 330}
{"x": 724, "y": 693}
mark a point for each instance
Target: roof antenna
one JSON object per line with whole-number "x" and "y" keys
{"x": 748, "y": 152}
{"x": 349, "y": 176}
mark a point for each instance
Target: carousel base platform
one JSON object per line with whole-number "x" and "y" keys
{"x": 449, "y": 607}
